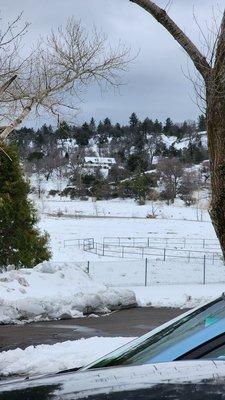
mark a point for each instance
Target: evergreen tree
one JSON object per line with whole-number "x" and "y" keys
{"x": 201, "y": 123}
{"x": 102, "y": 133}
{"x": 92, "y": 126}
{"x": 158, "y": 126}
{"x": 21, "y": 243}
{"x": 133, "y": 120}
{"x": 168, "y": 128}
{"x": 63, "y": 130}
{"x": 148, "y": 126}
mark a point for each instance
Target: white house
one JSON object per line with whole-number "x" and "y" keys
{"x": 99, "y": 162}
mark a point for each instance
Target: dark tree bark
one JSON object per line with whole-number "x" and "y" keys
{"x": 214, "y": 79}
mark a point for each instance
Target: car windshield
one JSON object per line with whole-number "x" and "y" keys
{"x": 172, "y": 340}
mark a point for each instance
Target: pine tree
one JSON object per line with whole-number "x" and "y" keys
{"x": 92, "y": 126}
{"x": 133, "y": 120}
{"x": 201, "y": 123}
{"x": 21, "y": 243}
{"x": 168, "y": 128}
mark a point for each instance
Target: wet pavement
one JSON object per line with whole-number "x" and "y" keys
{"x": 130, "y": 322}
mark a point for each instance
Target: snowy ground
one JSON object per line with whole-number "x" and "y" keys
{"x": 45, "y": 359}
{"x": 121, "y": 208}
{"x": 181, "y": 296}
{"x": 53, "y": 291}
{"x": 68, "y": 291}
{"x": 61, "y": 229}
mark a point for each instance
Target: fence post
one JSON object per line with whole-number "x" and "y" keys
{"x": 88, "y": 267}
{"x": 203, "y": 243}
{"x": 103, "y": 249}
{"x": 213, "y": 259}
{"x": 164, "y": 255}
{"x": 204, "y": 269}
{"x": 146, "y": 272}
{"x": 148, "y": 241}
{"x": 189, "y": 256}
{"x": 123, "y": 252}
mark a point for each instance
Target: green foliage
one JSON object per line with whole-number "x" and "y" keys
{"x": 201, "y": 123}
{"x": 21, "y": 243}
{"x": 137, "y": 162}
{"x": 35, "y": 156}
{"x": 63, "y": 131}
{"x": 139, "y": 186}
{"x": 136, "y": 187}
{"x": 133, "y": 120}
{"x": 88, "y": 179}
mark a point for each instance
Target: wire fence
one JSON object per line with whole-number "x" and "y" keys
{"x": 174, "y": 242}
{"x": 136, "y": 248}
{"x": 124, "y": 273}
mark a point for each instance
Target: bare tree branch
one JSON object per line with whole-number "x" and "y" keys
{"x": 162, "y": 17}
{"x": 60, "y": 68}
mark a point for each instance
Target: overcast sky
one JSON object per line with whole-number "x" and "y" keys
{"x": 155, "y": 84}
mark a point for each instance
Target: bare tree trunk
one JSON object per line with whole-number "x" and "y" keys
{"x": 214, "y": 78}
{"x": 216, "y": 137}
{"x": 15, "y": 123}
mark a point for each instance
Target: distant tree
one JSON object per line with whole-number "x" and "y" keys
{"x": 170, "y": 171}
{"x": 137, "y": 162}
{"x": 92, "y": 126}
{"x": 83, "y": 135}
{"x": 201, "y": 123}
{"x": 168, "y": 128}
{"x": 63, "y": 131}
{"x": 147, "y": 126}
{"x": 158, "y": 128}
{"x": 139, "y": 186}
{"x": 190, "y": 181}
{"x": 102, "y": 134}
{"x": 133, "y": 120}
{"x": 21, "y": 243}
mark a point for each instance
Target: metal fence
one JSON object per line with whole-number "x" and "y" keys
{"x": 172, "y": 242}
{"x": 120, "y": 250}
{"x": 157, "y": 248}
{"x": 147, "y": 272}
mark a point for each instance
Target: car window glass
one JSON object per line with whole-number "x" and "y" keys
{"x": 218, "y": 353}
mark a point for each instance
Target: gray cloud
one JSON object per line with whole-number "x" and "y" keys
{"x": 156, "y": 86}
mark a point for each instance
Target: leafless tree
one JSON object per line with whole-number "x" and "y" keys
{"x": 212, "y": 70}
{"x": 55, "y": 73}
{"x": 170, "y": 171}
{"x": 153, "y": 142}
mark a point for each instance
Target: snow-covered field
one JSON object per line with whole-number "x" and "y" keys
{"x": 127, "y": 208}
{"x": 62, "y": 228}
{"x": 56, "y": 291}
{"x": 64, "y": 289}
{"x": 45, "y": 359}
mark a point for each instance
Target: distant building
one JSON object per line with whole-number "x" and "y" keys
{"x": 99, "y": 162}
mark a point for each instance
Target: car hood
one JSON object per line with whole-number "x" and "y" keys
{"x": 80, "y": 385}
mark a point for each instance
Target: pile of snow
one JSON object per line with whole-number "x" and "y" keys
{"x": 45, "y": 359}
{"x": 56, "y": 291}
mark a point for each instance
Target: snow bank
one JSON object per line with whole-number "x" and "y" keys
{"x": 177, "y": 296}
{"x": 45, "y": 359}
{"x": 56, "y": 291}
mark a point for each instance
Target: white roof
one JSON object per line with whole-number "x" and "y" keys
{"x": 100, "y": 160}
